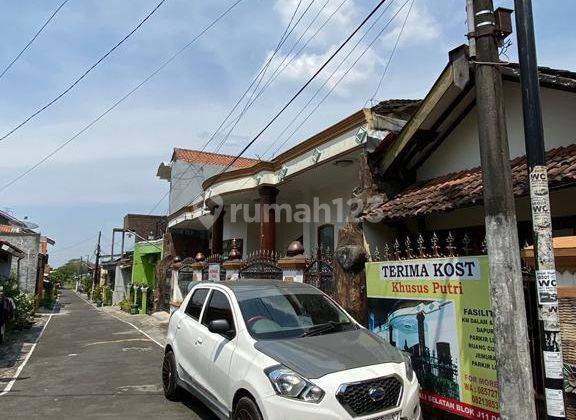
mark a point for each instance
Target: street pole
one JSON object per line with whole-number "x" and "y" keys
{"x": 112, "y": 246}
{"x": 79, "y": 274}
{"x": 95, "y": 282}
{"x": 515, "y": 391}
{"x": 546, "y": 291}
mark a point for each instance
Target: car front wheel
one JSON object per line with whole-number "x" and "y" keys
{"x": 169, "y": 377}
{"x": 246, "y": 409}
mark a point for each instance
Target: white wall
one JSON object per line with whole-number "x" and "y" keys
{"x": 461, "y": 150}
{"x": 186, "y": 182}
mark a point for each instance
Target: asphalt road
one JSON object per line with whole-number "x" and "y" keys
{"x": 89, "y": 365}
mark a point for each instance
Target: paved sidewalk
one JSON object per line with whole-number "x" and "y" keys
{"x": 16, "y": 348}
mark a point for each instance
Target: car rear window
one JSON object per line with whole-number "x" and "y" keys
{"x": 196, "y": 302}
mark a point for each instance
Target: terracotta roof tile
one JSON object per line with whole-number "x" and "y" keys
{"x": 464, "y": 188}
{"x": 9, "y": 229}
{"x": 208, "y": 158}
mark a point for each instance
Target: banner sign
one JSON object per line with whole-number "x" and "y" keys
{"x": 214, "y": 272}
{"x": 438, "y": 310}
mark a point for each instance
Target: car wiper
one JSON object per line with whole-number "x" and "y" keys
{"x": 323, "y": 328}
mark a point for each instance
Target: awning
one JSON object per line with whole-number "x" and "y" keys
{"x": 462, "y": 189}
{"x": 11, "y": 249}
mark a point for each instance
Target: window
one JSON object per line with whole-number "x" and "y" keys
{"x": 288, "y": 315}
{"x": 219, "y": 308}
{"x": 326, "y": 238}
{"x": 195, "y": 304}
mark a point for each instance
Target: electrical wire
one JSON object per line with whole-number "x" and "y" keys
{"x": 393, "y": 52}
{"x": 285, "y": 35}
{"x": 122, "y": 99}
{"x": 67, "y": 247}
{"x": 334, "y": 71}
{"x": 83, "y": 75}
{"x": 15, "y": 59}
{"x": 299, "y": 92}
{"x": 309, "y": 114}
{"x": 276, "y": 73}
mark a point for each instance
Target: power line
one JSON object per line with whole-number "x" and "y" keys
{"x": 275, "y": 74}
{"x": 337, "y": 82}
{"x": 299, "y": 92}
{"x": 122, "y": 99}
{"x": 259, "y": 76}
{"x": 390, "y": 3}
{"x": 254, "y": 97}
{"x": 393, "y": 52}
{"x": 83, "y": 75}
{"x": 67, "y": 247}
{"x": 9, "y": 66}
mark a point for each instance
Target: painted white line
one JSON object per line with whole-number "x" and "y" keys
{"x": 126, "y": 322}
{"x": 13, "y": 381}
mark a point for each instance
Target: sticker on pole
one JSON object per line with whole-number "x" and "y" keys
{"x": 553, "y": 364}
{"x": 555, "y": 403}
{"x": 547, "y": 291}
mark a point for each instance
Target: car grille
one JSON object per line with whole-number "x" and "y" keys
{"x": 357, "y": 400}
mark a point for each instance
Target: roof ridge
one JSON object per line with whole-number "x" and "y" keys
{"x": 215, "y": 154}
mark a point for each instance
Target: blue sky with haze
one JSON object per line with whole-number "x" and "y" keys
{"x": 110, "y": 170}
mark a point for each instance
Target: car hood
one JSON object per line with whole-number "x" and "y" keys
{"x": 316, "y": 356}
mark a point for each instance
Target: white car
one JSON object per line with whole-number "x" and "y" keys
{"x": 260, "y": 349}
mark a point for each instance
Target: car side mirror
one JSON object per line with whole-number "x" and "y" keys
{"x": 219, "y": 326}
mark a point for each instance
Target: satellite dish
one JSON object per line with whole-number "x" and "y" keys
{"x": 31, "y": 225}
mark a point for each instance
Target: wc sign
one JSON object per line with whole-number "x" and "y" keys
{"x": 547, "y": 291}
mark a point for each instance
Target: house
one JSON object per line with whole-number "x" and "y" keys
{"x": 10, "y": 257}
{"x": 35, "y": 248}
{"x": 146, "y": 256}
{"x": 428, "y": 176}
{"x": 305, "y": 190}
{"x": 426, "y": 197}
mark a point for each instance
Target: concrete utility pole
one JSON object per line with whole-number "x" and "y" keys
{"x": 515, "y": 391}
{"x": 95, "y": 282}
{"x": 541, "y": 214}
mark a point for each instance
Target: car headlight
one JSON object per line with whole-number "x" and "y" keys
{"x": 408, "y": 364}
{"x": 289, "y": 384}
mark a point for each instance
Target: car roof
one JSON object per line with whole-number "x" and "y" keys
{"x": 249, "y": 288}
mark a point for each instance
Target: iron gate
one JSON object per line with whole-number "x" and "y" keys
{"x": 319, "y": 272}
{"x": 262, "y": 264}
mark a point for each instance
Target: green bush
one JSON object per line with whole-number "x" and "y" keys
{"x": 97, "y": 295}
{"x": 107, "y": 295}
{"x": 87, "y": 285}
{"x": 125, "y": 305}
{"x": 24, "y": 303}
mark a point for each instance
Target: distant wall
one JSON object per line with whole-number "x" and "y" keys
{"x": 186, "y": 182}
{"x": 145, "y": 225}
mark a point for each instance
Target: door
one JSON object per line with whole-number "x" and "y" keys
{"x": 188, "y": 336}
{"x": 217, "y": 349}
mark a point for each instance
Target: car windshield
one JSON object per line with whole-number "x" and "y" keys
{"x": 288, "y": 315}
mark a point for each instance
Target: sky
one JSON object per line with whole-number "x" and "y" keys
{"x": 110, "y": 170}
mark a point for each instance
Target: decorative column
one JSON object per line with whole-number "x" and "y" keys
{"x": 175, "y": 295}
{"x": 144, "y": 304}
{"x": 217, "y": 232}
{"x": 198, "y": 266}
{"x": 294, "y": 264}
{"x": 268, "y": 196}
{"x": 234, "y": 262}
